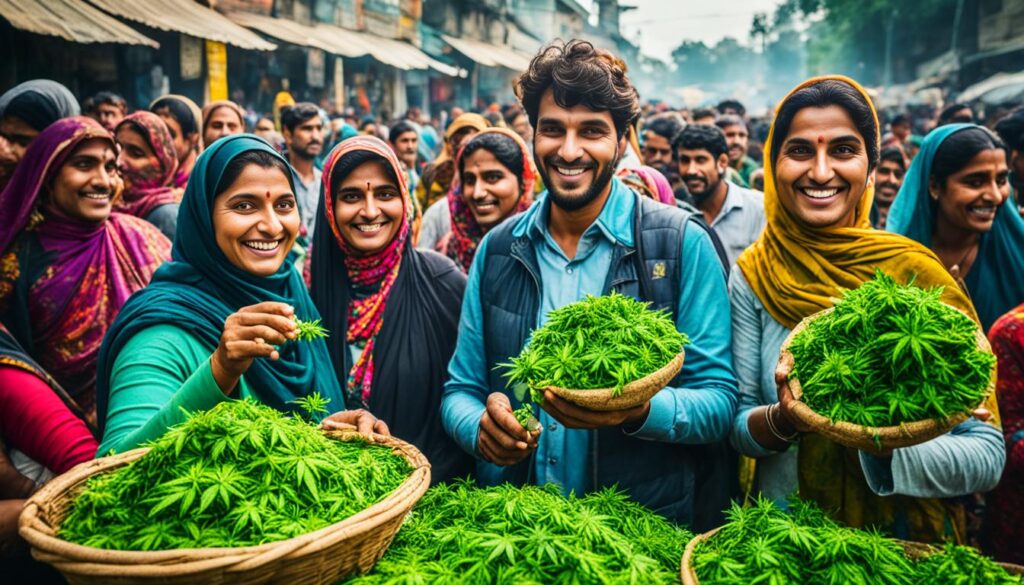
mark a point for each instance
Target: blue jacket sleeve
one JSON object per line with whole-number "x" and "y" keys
{"x": 465, "y": 392}
{"x": 702, "y": 410}
{"x": 966, "y": 460}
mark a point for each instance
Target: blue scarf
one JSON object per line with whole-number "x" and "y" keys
{"x": 200, "y": 288}
{"x": 996, "y": 279}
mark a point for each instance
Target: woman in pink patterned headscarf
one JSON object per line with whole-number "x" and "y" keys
{"x": 67, "y": 262}
{"x": 147, "y": 163}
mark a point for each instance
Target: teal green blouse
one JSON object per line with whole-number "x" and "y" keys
{"x": 160, "y": 373}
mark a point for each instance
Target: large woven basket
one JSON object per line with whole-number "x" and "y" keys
{"x": 914, "y": 550}
{"x": 633, "y": 394}
{"x": 871, "y": 438}
{"x": 348, "y": 547}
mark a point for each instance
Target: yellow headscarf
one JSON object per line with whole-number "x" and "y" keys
{"x": 797, "y": 270}
{"x": 467, "y": 120}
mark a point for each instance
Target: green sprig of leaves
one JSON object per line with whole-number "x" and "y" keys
{"x": 309, "y": 330}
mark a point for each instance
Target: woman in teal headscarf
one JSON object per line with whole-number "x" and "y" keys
{"x": 955, "y": 200}
{"x": 217, "y": 322}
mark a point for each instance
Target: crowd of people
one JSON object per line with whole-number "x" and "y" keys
{"x": 154, "y": 262}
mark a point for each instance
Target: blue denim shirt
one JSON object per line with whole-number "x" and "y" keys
{"x": 700, "y": 412}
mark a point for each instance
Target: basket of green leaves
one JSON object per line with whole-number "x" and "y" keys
{"x": 764, "y": 544}
{"x": 889, "y": 366}
{"x": 237, "y": 494}
{"x": 603, "y": 353}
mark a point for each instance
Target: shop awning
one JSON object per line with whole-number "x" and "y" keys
{"x": 71, "y": 20}
{"x": 996, "y": 82}
{"x": 344, "y": 42}
{"x": 187, "y": 17}
{"x": 489, "y": 55}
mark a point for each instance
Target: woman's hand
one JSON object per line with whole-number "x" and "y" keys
{"x": 362, "y": 420}
{"x": 786, "y": 420}
{"x": 252, "y": 332}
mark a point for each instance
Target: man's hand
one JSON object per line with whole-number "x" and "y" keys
{"x": 577, "y": 417}
{"x": 502, "y": 440}
{"x": 361, "y": 420}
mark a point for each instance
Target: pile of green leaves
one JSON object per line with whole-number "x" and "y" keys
{"x": 599, "y": 342}
{"x": 889, "y": 354}
{"x": 236, "y": 475}
{"x": 764, "y": 544}
{"x": 459, "y": 533}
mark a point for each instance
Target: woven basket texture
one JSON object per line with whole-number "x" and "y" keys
{"x": 633, "y": 394}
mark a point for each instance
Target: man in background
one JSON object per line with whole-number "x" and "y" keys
{"x": 303, "y": 131}
{"x": 737, "y": 136}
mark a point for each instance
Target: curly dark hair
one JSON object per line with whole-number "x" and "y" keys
{"x": 700, "y": 137}
{"x": 578, "y": 73}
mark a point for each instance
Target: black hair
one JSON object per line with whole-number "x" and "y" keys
{"x": 700, "y": 137}
{"x": 829, "y": 92}
{"x": 731, "y": 105}
{"x": 108, "y": 98}
{"x": 959, "y": 148}
{"x": 504, "y": 148}
{"x": 354, "y": 160}
{"x": 894, "y": 154}
{"x": 179, "y": 111}
{"x": 1011, "y": 130}
{"x": 703, "y": 113}
{"x": 946, "y": 117}
{"x": 294, "y": 115}
{"x": 577, "y": 73}
{"x": 665, "y": 126}
{"x": 726, "y": 120}
{"x": 900, "y": 119}
{"x": 399, "y": 128}
{"x": 260, "y": 158}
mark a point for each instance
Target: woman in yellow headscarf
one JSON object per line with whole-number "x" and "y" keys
{"x": 820, "y": 158}
{"x": 437, "y": 176}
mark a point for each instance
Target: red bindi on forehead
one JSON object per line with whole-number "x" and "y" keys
{"x": 821, "y": 139}
{"x": 268, "y": 194}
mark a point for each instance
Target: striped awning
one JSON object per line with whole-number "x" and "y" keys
{"x": 71, "y": 20}
{"x": 186, "y": 17}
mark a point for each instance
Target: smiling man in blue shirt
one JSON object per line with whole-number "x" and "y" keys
{"x": 590, "y": 234}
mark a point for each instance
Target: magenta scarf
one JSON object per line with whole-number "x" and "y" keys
{"x": 649, "y": 182}
{"x": 150, "y": 187}
{"x": 366, "y": 316}
{"x": 86, "y": 271}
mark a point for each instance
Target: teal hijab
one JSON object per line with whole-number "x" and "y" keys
{"x": 996, "y": 280}
{"x": 200, "y": 288}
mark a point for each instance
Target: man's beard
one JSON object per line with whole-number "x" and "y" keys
{"x": 576, "y": 203}
{"x": 888, "y": 201}
{"x": 709, "y": 190}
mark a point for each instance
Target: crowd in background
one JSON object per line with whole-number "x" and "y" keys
{"x": 153, "y": 257}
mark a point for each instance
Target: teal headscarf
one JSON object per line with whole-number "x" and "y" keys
{"x": 996, "y": 279}
{"x": 200, "y": 288}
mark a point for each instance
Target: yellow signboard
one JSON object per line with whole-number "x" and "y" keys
{"x": 217, "y": 70}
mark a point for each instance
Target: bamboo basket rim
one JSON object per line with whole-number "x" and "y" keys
{"x": 913, "y": 550}
{"x": 864, "y": 437}
{"x": 35, "y": 525}
{"x": 634, "y": 393}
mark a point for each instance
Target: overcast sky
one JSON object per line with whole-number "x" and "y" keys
{"x": 664, "y": 24}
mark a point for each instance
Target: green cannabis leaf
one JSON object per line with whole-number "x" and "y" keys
{"x": 314, "y": 405}
{"x": 309, "y": 330}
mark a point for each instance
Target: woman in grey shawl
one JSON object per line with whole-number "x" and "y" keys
{"x": 25, "y": 111}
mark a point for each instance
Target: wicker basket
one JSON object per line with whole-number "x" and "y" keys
{"x": 914, "y": 550}
{"x": 633, "y": 394}
{"x": 870, "y": 438}
{"x": 351, "y": 546}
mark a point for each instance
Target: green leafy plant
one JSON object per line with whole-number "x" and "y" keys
{"x": 764, "y": 544}
{"x": 888, "y": 354}
{"x": 239, "y": 474}
{"x": 309, "y": 330}
{"x": 460, "y": 533}
{"x": 599, "y": 342}
{"x": 314, "y": 406}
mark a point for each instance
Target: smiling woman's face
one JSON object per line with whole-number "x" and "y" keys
{"x": 368, "y": 208}
{"x": 971, "y": 197}
{"x": 256, "y": 220}
{"x": 822, "y": 168}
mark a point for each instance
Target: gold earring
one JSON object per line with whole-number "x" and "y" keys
{"x": 34, "y": 219}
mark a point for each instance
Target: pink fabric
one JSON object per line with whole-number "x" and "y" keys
{"x": 34, "y": 420}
